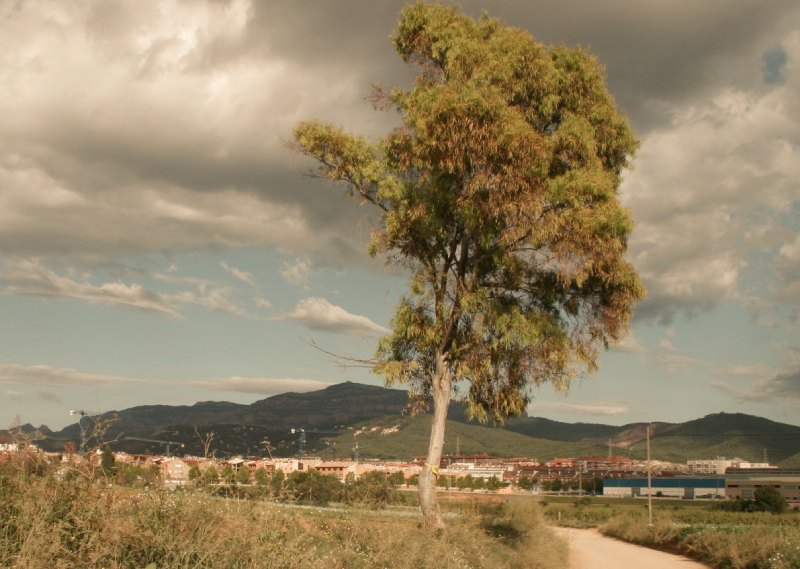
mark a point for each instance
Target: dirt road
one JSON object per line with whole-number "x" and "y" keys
{"x": 589, "y": 549}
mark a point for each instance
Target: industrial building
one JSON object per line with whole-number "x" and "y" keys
{"x": 684, "y": 487}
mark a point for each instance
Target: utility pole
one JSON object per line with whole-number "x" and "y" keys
{"x": 649, "y": 483}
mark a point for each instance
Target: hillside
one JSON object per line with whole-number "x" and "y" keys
{"x": 336, "y": 418}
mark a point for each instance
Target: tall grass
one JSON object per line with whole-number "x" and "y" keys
{"x": 52, "y": 521}
{"x": 730, "y": 540}
{"x": 722, "y": 539}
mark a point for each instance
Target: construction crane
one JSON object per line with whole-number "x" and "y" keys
{"x": 81, "y": 415}
{"x": 167, "y": 443}
{"x": 356, "y": 455}
{"x": 301, "y": 442}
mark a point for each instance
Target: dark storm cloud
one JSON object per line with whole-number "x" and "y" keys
{"x": 784, "y": 385}
{"x": 139, "y": 127}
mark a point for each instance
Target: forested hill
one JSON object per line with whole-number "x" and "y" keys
{"x": 344, "y": 414}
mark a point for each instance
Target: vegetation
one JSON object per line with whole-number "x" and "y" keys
{"x": 735, "y": 540}
{"x": 499, "y": 193}
{"x": 75, "y": 521}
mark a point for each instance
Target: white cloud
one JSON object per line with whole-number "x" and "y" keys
{"x": 756, "y": 370}
{"x": 673, "y": 363}
{"x": 243, "y": 276}
{"x": 263, "y": 303}
{"x": 631, "y": 345}
{"x": 16, "y": 374}
{"x": 220, "y": 299}
{"x": 29, "y": 277}
{"x": 14, "y": 396}
{"x": 608, "y": 409}
{"x": 712, "y": 190}
{"x": 261, "y": 385}
{"x": 319, "y": 314}
{"x": 297, "y": 272}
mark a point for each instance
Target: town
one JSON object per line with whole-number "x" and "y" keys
{"x": 608, "y": 476}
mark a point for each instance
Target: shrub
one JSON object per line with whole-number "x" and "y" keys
{"x": 769, "y": 499}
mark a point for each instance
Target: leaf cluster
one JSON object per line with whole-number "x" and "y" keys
{"x": 499, "y": 193}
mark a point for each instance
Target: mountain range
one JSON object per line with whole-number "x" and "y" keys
{"x": 351, "y": 418}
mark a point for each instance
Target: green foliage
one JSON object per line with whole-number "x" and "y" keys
{"x": 312, "y": 487}
{"x": 136, "y": 476}
{"x": 276, "y": 483}
{"x": 210, "y": 475}
{"x": 107, "y": 462}
{"x": 261, "y": 477}
{"x": 374, "y": 489}
{"x": 228, "y": 475}
{"x": 195, "y": 474}
{"x": 499, "y": 192}
{"x": 243, "y": 475}
{"x": 769, "y": 499}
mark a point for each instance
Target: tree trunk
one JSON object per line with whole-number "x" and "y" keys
{"x": 428, "y": 503}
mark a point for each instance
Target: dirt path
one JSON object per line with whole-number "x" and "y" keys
{"x": 589, "y": 549}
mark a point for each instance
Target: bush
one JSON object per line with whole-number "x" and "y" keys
{"x": 769, "y": 499}
{"x": 312, "y": 487}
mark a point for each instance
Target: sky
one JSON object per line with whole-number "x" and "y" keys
{"x": 159, "y": 244}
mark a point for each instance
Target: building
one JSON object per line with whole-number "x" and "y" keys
{"x": 684, "y": 487}
{"x": 720, "y": 464}
{"x": 741, "y": 483}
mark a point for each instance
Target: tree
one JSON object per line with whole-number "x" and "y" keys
{"x": 262, "y": 476}
{"x": 499, "y": 193}
{"x": 243, "y": 474}
{"x": 210, "y": 475}
{"x": 769, "y": 499}
{"x": 276, "y": 483}
{"x": 228, "y": 475}
{"x": 107, "y": 462}
{"x": 195, "y": 474}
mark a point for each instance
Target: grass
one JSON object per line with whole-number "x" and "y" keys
{"x": 60, "y": 522}
{"x": 730, "y": 540}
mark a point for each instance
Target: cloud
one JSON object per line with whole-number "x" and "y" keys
{"x": 319, "y": 314}
{"x": 710, "y": 194}
{"x": 29, "y": 277}
{"x": 220, "y": 299}
{"x": 179, "y": 139}
{"x": 673, "y": 363}
{"x": 49, "y": 396}
{"x": 46, "y": 376}
{"x": 756, "y": 370}
{"x": 296, "y": 273}
{"x": 14, "y": 396}
{"x": 261, "y": 386}
{"x": 263, "y": 303}
{"x": 782, "y": 386}
{"x": 607, "y": 409}
{"x": 41, "y": 375}
{"x": 243, "y": 276}
{"x": 631, "y": 345}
